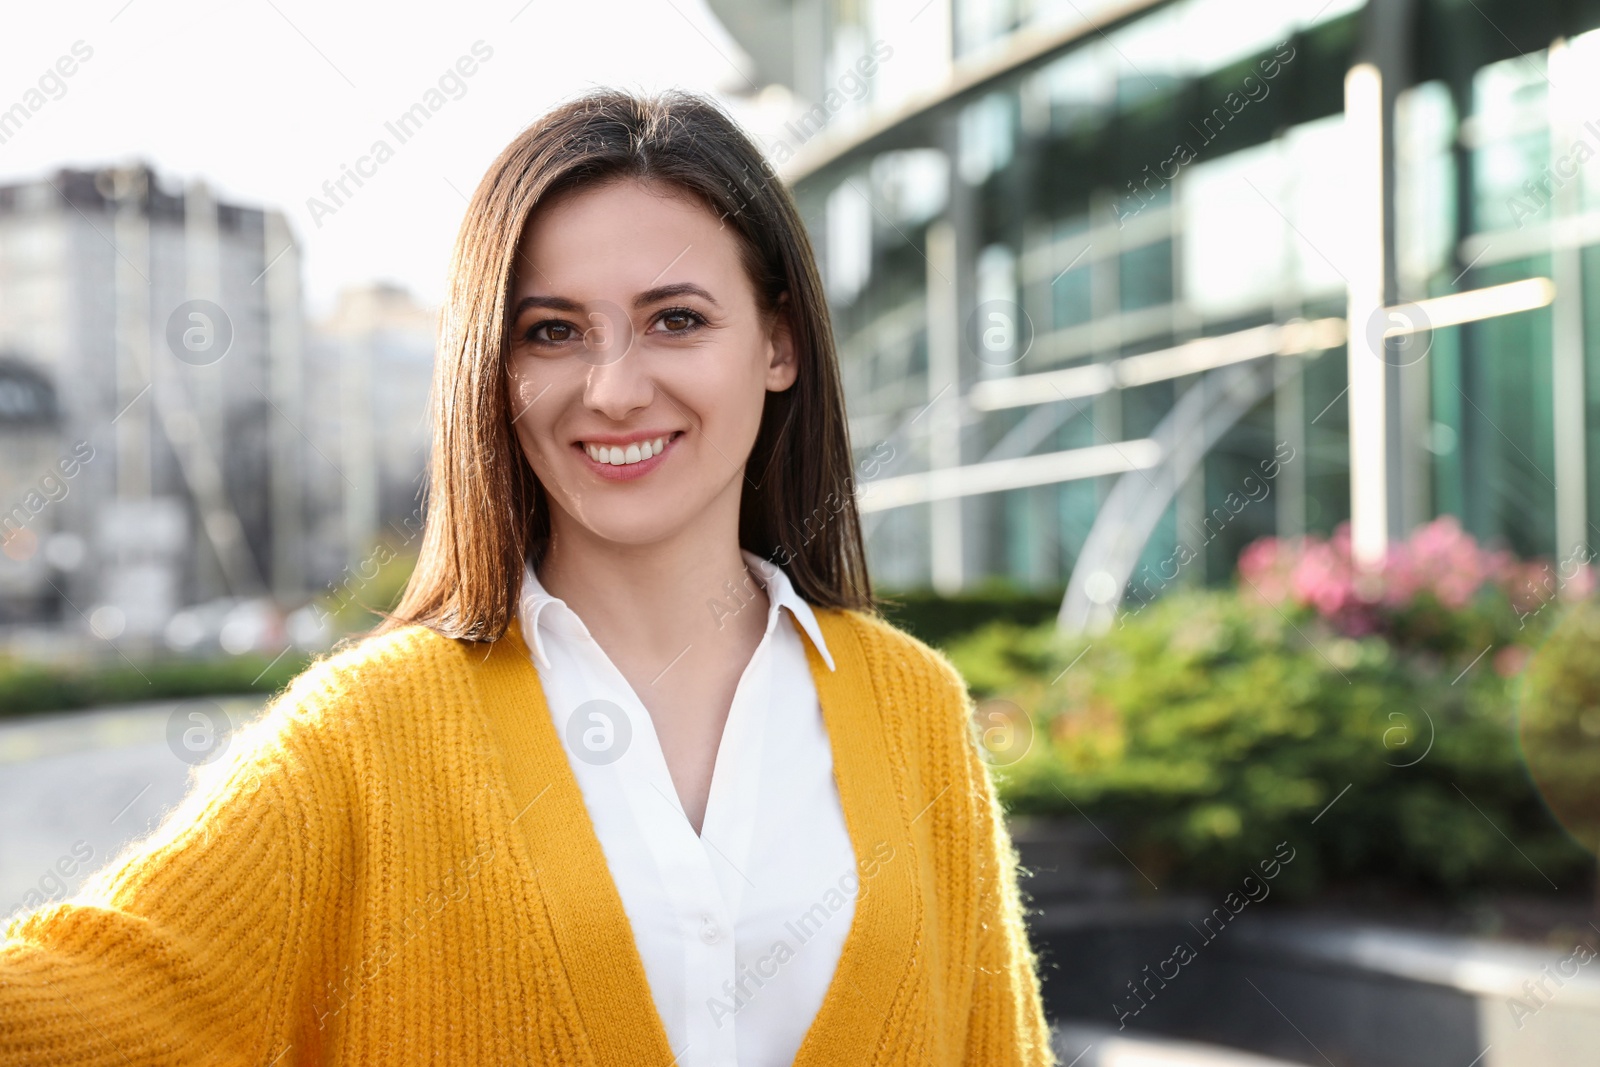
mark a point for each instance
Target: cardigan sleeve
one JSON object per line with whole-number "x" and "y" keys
{"x": 197, "y": 944}
{"x": 1007, "y": 1024}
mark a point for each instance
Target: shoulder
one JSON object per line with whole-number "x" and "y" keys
{"x": 925, "y": 704}
{"x": 368, "y": 677}
{"x": 398, "y": 660}
{"x": 316, "y": 734}
{"x": 905, "y": 664}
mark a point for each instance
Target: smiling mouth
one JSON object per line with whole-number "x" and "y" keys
{"x": 628, "y": 455}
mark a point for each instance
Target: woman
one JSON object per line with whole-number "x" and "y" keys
{"x": 585, "y": 797}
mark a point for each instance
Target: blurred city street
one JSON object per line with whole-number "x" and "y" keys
{"x": 1220, "y": 396}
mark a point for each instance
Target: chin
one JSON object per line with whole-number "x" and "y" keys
{"x": 635, "y": 524}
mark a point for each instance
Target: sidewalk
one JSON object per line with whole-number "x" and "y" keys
{"x": 1091, "y": 1046}
{"x": 77, "y": 787}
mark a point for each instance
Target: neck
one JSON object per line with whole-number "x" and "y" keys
{"x": 692, "y": 590}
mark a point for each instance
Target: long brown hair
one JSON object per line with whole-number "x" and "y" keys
{"x": 486, "y": 511}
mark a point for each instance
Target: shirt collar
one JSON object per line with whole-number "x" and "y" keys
{"x": 780, "y": 593}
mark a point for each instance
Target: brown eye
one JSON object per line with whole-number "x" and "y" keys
{"x": 680, "y": 320}
{"x": 553, "y": 331}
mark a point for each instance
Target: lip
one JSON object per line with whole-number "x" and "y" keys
{"x": 626, "y": 439}
{"x": 626, "y": 472}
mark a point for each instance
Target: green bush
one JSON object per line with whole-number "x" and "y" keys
{"x": 1213, "y": 724}
{"x": 27, "y": 688}
{"x": 350, "y": 608}
{"x": 1560, "y": 722}
{"x": 939, "y": 619}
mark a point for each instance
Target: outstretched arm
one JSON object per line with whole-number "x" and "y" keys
{"x": 199, "y": 944}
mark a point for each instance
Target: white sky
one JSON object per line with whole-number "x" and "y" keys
{"x": 236, "y": 92}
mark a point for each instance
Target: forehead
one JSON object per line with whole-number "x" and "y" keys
{"x": 623, "y": 235}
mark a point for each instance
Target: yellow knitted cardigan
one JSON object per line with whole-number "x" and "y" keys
{"x": 394, "y": 865}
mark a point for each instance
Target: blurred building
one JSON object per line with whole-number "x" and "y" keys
{"x": 1121, "y": 285}
{"x": 30, "y": 483}
{"x": 374, "y": 366}
{"x": 157, "y": 333}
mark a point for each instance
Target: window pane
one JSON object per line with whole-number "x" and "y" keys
{"x": 1146, "y": 276}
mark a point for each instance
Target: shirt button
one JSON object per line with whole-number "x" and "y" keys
{"x": 710, "y": 932}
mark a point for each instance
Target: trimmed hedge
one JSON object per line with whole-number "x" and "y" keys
{"x": 30, "y": 688}
{"x": 938, "y": 619}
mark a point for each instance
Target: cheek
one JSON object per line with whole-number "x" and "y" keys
{"x": 734, "y": 387}
{"x": 522, "y": 384}
{"x": 524, "y": 391}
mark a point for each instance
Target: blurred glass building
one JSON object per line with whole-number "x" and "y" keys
{"x": 1121, "y": 286}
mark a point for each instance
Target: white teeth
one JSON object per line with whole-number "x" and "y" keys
{"x": 620, "y": 457}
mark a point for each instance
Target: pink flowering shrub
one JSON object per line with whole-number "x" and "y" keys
{"x": 1440, "y": 570}
{"x": 1220, "y": 721}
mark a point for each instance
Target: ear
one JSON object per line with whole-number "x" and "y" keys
{"x": 783, "y": 366}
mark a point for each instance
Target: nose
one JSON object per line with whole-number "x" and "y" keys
{"x": 618, "y": 382}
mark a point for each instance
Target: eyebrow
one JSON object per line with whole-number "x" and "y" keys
{"x": 644, "y": 299}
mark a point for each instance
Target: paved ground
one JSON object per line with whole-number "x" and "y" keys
{"x": 75, "y": 788}
{"x": 1094, "y": 1046}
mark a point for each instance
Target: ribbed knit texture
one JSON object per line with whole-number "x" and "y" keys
{"x": 394, "y": 865}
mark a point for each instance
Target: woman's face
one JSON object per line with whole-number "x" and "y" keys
{"x": 638, "y": 363}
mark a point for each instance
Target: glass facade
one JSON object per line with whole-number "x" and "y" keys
{"x": 1168, "y": 182}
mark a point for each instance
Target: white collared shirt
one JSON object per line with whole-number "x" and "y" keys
{"x": 740, "y": 928}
